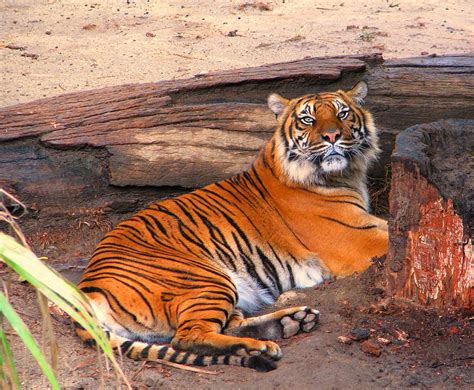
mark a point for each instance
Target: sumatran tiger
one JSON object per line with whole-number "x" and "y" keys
{"x": 174, "y": 281}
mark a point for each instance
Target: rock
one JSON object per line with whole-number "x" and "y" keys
{"x": 149, "y": 382}
{"x": 370, "y": 348}
{"x": 399, "y": 334}
{"x": 344, "y": 340}
{"x": 288, "y": 296}
{"x": 359, "y": 334}
{"x": 383, "y": 341}
{"x": 413, "y": 380}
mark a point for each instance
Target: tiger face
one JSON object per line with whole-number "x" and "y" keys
{"x": 324, "y": 136}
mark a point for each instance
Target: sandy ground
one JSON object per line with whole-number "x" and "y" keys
{"x": 425, "y": 350}
{"x": 78, "y": 45}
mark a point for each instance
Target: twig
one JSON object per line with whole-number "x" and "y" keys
{"x": 14, "y": 47}
{"x": 184, "y": 367}
{"x": 83, "y": 364}
{"x": 138, "y": 371}
{"x": 26, "y": 315}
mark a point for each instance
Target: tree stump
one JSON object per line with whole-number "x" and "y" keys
{"x": 432, "y": 215}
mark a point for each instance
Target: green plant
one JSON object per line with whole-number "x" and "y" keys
{"x": 56, "y": 289}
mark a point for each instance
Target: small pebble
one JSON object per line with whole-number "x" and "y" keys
{"x": 344, "y": 340}
{"x": 413, "y": 380}
{"x": 383, "y": 341}
{"x": 371, "y": 348}
{"x": 358, "y": 334}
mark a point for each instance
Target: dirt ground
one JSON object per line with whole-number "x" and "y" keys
{"x": 425, "y": 350}
{"x": 52, "y": 47}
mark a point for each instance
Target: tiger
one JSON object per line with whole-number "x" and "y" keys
{"x": 179, "y": 280}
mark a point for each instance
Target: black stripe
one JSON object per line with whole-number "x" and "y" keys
{"x": 148, "y": 225}
{"x": 227, "y": 359}
{"x": 174, "y": 356}
{"x": 92, "y": 289}
{"x": 226, "y": 296}
{"x": 251, "y": 270}
{"x": 239, "y": 231}
{"x": 144, "y": 352}
{"x": 345, "y": 201}
{"x": 157, "y": 222}
{"x": 130, "y": 352}
{"x": 219, "y": 185}
{"x": 347, "y": 225}
{"x": 195, "y": 206}
{"x": 237, "y": 186}
{"x": 125, "y": 346}
{"x": 197, "y": 241}
{"x": 247, "y": 176}
{"x": 220, "y": 197}
{"x": 78, "y": 325}
{"x": 218, "y": 309}
{"x": 162, "y": 353}
{"x": 199, "y": 361}
{"x": 182, "y": 206}
{"x": 176, "y": 258}
{"x": 120, "y": 275}
{"x": 270, "y": 268}
{"x": 184, "y": 359}
{"x": 292, "y": 278}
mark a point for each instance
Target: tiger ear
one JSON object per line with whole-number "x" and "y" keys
{"x": 359, "y": 92}
{"x": 277, "y": 103}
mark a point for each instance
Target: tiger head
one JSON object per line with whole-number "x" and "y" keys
{"x": 324, "y": 139}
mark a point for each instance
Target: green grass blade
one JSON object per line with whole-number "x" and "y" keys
{"x": 9, "y": 362}
{"x": 20, "y": 328}
{"x": 53, "y": 286}
{"x": 57, "y": 289}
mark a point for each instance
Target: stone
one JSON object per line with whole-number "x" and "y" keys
{"x": 371, "y": 348}
{"x": 359, "y": 334}
{"x": 344, "y": 340}
{"x": 383, "y": 341}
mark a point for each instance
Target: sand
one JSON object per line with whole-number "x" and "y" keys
{"x": 79, "y": 45}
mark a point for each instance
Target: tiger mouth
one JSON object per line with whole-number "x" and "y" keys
{"x": 334, "y": 153}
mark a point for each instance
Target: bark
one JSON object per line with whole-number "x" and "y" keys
{"x": 432, "y": 215}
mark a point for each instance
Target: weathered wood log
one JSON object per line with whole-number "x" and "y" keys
{"x": 432, "y": 215}
{"x": 112, "y": 150}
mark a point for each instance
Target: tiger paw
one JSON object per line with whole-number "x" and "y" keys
{"x": 304, "y": 319}
{"x": 261, "y": 348}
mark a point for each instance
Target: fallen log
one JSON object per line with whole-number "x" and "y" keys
{"x": 432, "y": 215}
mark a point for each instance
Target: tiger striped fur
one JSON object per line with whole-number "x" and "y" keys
{"x": 184, "y": 270}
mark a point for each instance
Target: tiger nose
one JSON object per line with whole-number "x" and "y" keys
{"x": 331, "y": 135}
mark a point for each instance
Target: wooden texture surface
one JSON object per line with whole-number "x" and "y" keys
{"x": 432, "y": 215}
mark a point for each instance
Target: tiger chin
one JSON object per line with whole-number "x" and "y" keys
{"x": 177, "y": 280}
